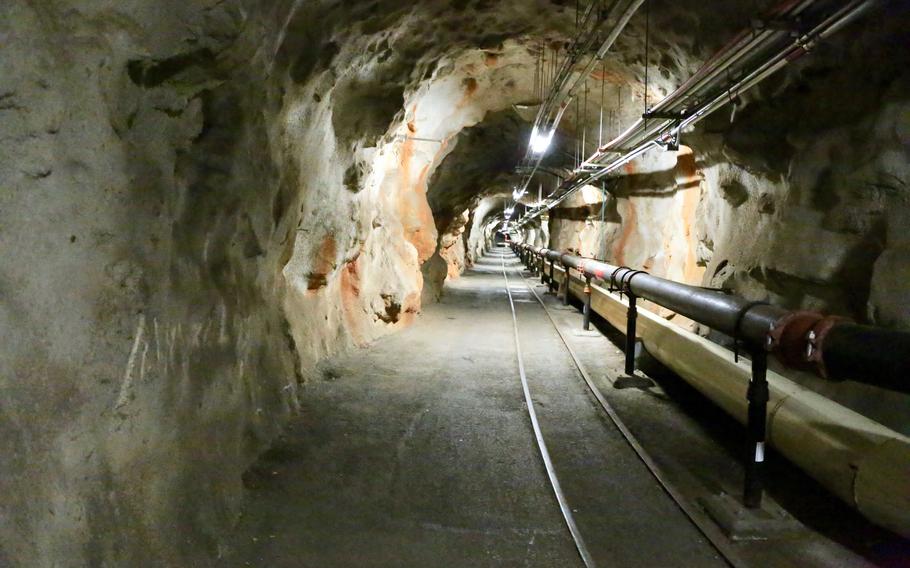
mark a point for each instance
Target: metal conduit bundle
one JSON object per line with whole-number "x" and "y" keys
{"x": 776, "y": 39}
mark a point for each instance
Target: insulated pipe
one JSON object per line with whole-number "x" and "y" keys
{"x": 831, "y": 347}
{"x": 862, "y": 462}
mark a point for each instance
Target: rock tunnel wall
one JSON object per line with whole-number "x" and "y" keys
{"x": 814, "y": 229}
{"x": 799, "y": 198}
{"x": 199, "y": 200}
{"x": 145, "y": 355}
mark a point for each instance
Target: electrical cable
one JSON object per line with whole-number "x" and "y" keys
{"x": 647, "y": 51}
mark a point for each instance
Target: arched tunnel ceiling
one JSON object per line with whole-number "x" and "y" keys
{"x": 450, "y": 100}
{"x": 373, "y": 59}
{"x": 483, "y": 161}
{"x": 204, "y": 199}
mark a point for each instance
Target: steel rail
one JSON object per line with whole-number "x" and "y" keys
{"x": 856, "y": 458}
{"x": 696, "y": 515}
{"x": 538, "y": 435}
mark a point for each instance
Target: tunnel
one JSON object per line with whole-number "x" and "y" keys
{"x": 293, "y": 283}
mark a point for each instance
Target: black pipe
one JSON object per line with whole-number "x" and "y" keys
{"x": 863, "y": 353}
{"x": 876, "y": 356}
{"x": 710, "y": 307}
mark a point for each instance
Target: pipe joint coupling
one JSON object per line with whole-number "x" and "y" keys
{"x": 798, "y": 339}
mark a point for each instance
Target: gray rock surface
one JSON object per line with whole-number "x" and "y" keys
{"x": 200, "y": 200}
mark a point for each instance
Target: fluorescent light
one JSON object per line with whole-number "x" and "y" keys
{"x": 540, "y": 142}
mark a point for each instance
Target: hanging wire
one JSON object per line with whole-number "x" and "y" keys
{"x": 647, "y": 51}
{"x": 618, "y": 108}
{"x": 576, "y": 132}
{"x": 603, "y": 81}
{"x": 603, "y": 228}
{"x": 584, "y": 132}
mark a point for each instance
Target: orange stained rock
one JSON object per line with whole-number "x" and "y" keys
{"x": 689, "y": 179}
{"x": 323, "y": 264}
{"x": 350, "y": 300}
{"x": 409, "y": 308}
{"x": 470, "y": 87}
{"x": 608, "y": 76}
{"x": 414, "y": 210}
{"x": 450, "y": 256}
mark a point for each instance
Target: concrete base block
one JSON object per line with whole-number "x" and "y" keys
{"x": 740, "y": 523}
{"x": 583, "y": 333}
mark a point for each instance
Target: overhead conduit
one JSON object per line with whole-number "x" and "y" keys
{"x": 778, "y": 38}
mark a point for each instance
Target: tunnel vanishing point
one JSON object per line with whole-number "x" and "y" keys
{"x": 293, "y": 283}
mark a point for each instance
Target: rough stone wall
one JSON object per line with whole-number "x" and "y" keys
{"x": 799, "y": 198}
{"x": 198, "y": 200}
{"x": 145, "y": 358}
{"x": 805, "y": 211}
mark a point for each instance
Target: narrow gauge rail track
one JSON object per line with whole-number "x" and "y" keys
{"x": 695, "y": 515}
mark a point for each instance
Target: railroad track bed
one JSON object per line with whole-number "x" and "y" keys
{"x": 642, "y": 452}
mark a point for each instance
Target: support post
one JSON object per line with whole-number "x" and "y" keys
{"x": 631, "y": 317}
{"x": 565, "y": 297}
{"x": 587, "y": 311}
{"x": 552, "y": 284}
{"x": 757, "y": 395}
{"x": 543, "y": 274}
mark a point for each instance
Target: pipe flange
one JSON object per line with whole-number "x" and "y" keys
{"x": 787, "y": 339}
{"x": 815, "y": 342}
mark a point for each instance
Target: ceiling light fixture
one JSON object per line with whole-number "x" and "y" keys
{"x": 540, "y": 142}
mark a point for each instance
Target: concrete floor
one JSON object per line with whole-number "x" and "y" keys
{"x": 418, "y": 452}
